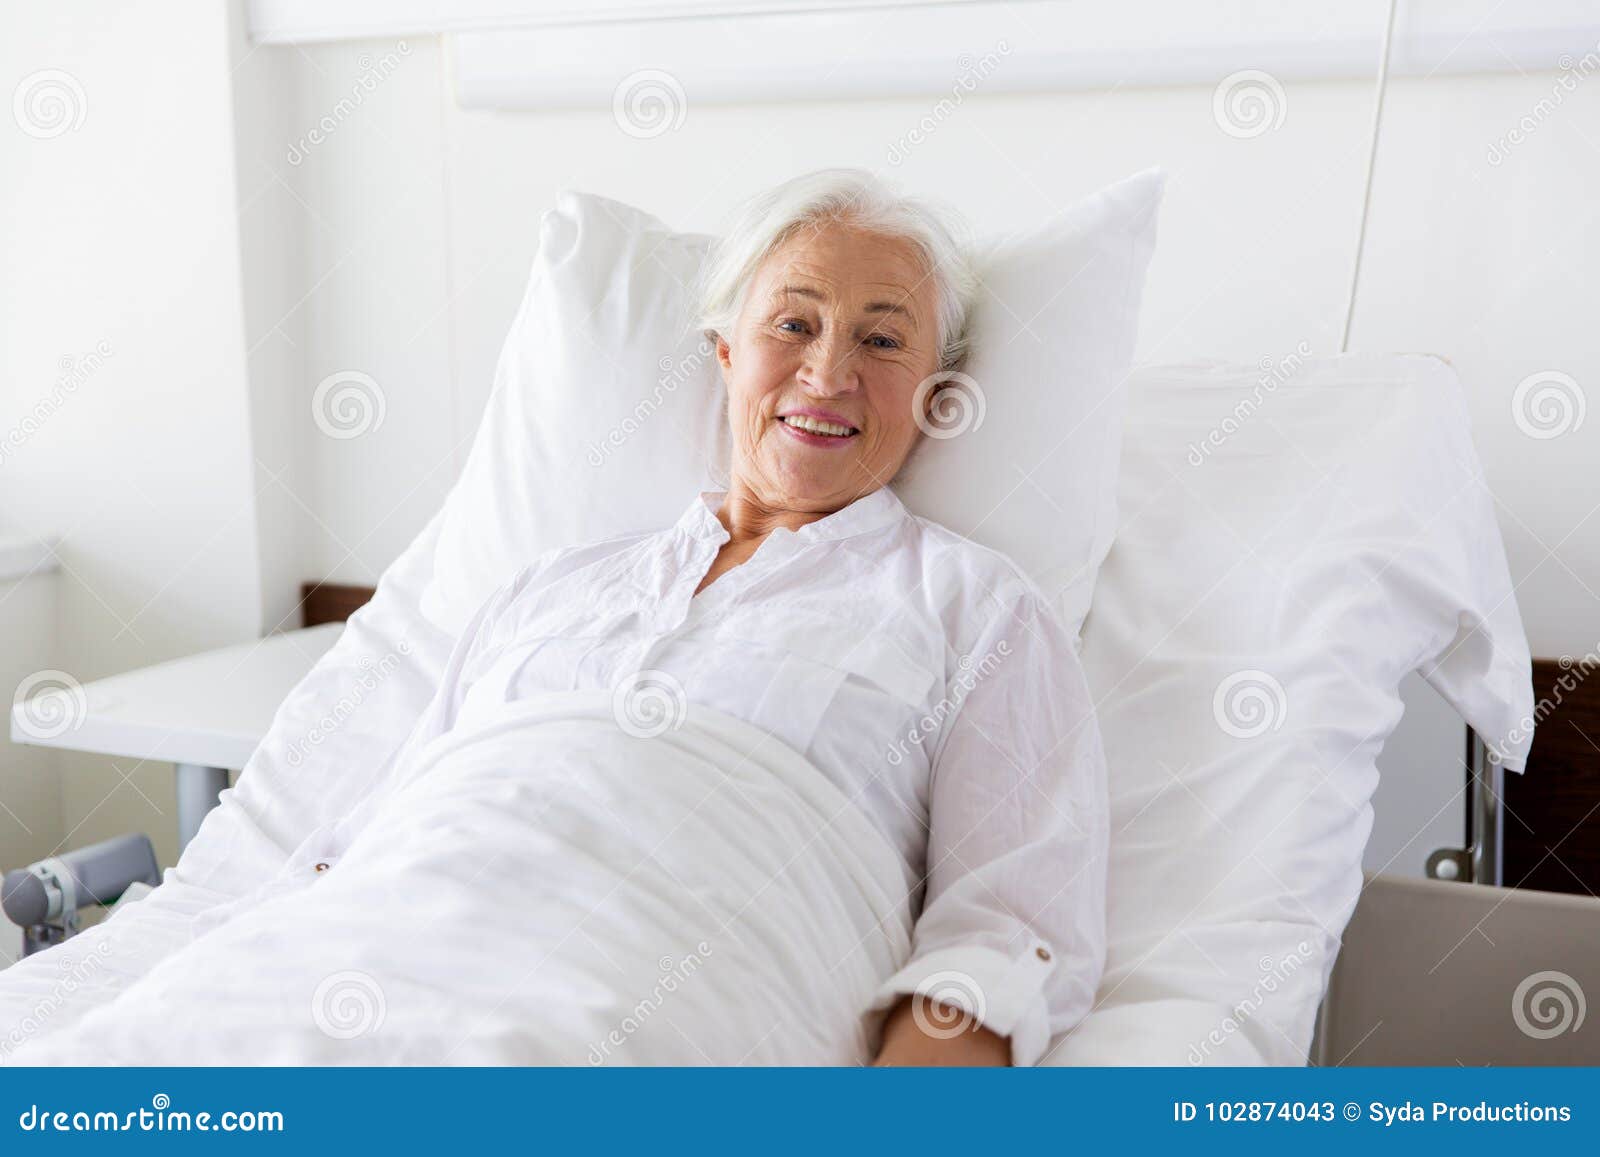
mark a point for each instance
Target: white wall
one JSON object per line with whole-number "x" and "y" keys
{"x": 30, "y": 797}
{"x": 272, "y": 223}
{"x": 30, "y": 793}
{"x": 119, "y": 240}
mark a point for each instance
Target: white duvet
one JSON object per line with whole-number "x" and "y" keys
{"x": 544, "y": 888}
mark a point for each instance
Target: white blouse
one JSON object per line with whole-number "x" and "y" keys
{"x": 924, "y": 675}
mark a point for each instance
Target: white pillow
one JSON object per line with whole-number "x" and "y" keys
{"x": 1293, "y": 542}
{"x": 606, "y": 415}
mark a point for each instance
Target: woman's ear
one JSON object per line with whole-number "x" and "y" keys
{"x": 724, "y": 353}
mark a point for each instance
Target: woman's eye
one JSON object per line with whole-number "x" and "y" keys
{"x": 883, "y": 341}
{"x": 792, "y": 325}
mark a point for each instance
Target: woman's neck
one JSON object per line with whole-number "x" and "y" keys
{"x": 747, "y": 518}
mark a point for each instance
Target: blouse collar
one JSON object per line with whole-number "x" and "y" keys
{"x": 870, "y": 512}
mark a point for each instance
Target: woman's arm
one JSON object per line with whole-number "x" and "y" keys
{"x": 1012, "y": 929}
{"x": 919, "y": 1031}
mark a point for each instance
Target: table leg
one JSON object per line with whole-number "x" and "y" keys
{"x": 198, "y": 789}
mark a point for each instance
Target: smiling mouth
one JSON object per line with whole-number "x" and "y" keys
{"x": 818, "y": 427}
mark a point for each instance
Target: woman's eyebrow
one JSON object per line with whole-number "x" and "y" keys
{"x": 871, "y": 307}
{"x": 800, "y": 291}
{"x": 892, "y": 307}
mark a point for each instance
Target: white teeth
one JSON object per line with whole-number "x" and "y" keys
{"x": 813, "y": 426}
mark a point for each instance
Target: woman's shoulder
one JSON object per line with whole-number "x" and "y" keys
{"x": 960, "y": 560}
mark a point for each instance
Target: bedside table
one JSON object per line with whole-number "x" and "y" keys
{"x": 205, "y": 714}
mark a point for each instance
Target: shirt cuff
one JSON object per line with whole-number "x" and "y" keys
{"x": 1002, "y": 992}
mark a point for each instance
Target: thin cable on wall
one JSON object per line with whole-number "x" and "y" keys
{"x": 1372, "y": 163}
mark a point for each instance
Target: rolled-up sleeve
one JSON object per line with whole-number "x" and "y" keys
{"x": 1012, "y": 931}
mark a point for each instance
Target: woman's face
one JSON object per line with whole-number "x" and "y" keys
{"x": 838, "y": 329}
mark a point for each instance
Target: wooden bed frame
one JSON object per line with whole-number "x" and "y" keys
{"x": 331, "y": 602}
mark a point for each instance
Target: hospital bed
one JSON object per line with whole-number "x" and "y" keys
{"x": 1246, "y": 638}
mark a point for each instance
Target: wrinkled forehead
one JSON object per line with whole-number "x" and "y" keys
{"x": 848, "y": 269}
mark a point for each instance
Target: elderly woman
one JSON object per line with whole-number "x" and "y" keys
{"x": 921, "y": 673}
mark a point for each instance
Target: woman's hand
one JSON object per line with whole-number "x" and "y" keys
{"x": 907, "y": 1042}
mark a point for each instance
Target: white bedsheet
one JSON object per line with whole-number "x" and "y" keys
{"x": 544, "y": 888}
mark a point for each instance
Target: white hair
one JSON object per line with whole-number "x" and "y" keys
{"x": 853, "y": 197}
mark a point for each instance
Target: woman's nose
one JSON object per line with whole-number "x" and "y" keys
{"x": 830, "y": 368}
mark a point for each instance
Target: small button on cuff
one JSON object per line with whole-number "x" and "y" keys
{"x": 322, "y": 867}
{"x": 1042, "y": 953}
